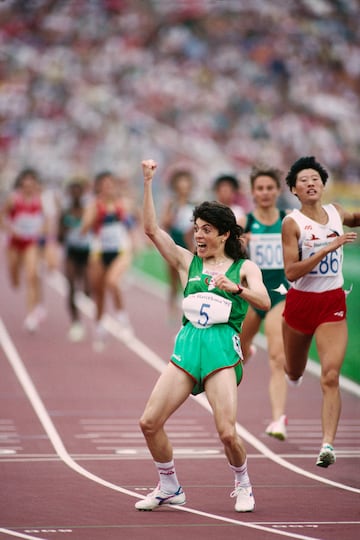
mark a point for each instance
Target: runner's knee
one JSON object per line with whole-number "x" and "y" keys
{"x": 148, "y": 425}
{"x": 112, "y": 284}
{"x": 330, "y": 378}
{"x": 228, "y": 436}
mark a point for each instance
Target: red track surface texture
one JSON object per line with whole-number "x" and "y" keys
{"x": 73, "y": 460}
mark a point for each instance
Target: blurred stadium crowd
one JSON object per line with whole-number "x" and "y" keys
{"x": 93, "y": 84}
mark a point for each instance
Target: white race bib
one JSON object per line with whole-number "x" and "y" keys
{"x": 266, "y": 251}
{"x": 78, "y": 240}
{"x": 114, "y": 237}
{"x": 329, "y": 266}
{"x": 204, "y": 309}
{"x": 28, "y": 225}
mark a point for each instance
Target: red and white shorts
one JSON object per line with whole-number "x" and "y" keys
{"x": 305, "y": 311}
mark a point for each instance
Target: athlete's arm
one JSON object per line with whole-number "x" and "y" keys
{"x": 88, "y": 218}
{"x": 175, "y": 255}
{"x": 294, "y": 266}
{"x": 350, "y": 219}
{"x": 5, "y": 221}
{"x": 255, "y": 293}
{"x": 251, "y": 283}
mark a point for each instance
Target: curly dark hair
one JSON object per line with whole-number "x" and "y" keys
{"x": 307, "y": 162}
{"x": 223, "y": 219}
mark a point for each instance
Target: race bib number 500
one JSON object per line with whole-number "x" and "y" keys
{"x": 266, "y": 251}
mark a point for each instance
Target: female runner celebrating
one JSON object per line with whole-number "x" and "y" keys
{"x": 218, "y": 285}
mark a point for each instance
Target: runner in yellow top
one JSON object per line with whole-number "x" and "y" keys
{"x": 218, "y": 283}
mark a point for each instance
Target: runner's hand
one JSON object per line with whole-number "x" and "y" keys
{"x": 149, "y": 168}
{"x": 339, "y": 241}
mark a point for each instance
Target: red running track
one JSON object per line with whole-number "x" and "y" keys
{"x": 73, "y": 461}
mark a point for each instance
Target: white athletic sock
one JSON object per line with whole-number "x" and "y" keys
{"x": 295, "y": 383}
{"x": 168, "y": 479}
{"x": 241, "y": 475}
{"x": 122, "y": 316}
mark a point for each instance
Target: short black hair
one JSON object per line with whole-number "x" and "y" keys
{"x": 306, "y": 162}
{"x": 226, "y": 179}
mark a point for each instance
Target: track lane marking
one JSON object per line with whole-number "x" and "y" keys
{"x": 54, "y": 437}
{"x": 149, "y": 356}
{"x": 58, "y": 282}
{"x": 20, "y": 535}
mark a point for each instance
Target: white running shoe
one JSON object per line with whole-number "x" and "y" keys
{"x": 326, "y": 456}
{"x": 277, "y": 428}
{"x": 99, "y": 338}
{"x": 34, "y": 318}
{"x": 76, "y": 332}
{"x": 31, "y": 322}
{"x": 125, "y": 329}
{"x": 245, "y": 501}
{"x": 158, "y": 498}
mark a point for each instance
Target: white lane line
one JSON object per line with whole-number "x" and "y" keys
{"x": 39, "y": 408}
{"x": 42, "y": 413}
{"x": 151, "y": 358}
{"x": 19, "y": 535}
{"x": 256, "y": 443}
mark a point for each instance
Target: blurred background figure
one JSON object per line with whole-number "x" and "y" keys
{"x": 111, "y": 251}
{"x": 262, "y": 229}
{"x": 51, "y": 202}
{"x": 23, "y": 219}
{"x": 226, "y": 189}
{"x": 177, "y": 221}
{"x": 236, "y": 84}
{"x": 76, "y": 251}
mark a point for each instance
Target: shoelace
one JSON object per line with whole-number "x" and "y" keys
{"x": 238, "y": 490}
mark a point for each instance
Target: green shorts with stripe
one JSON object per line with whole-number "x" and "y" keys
{"x": 200, "y": 352}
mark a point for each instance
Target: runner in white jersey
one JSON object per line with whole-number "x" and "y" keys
{"x": 313, "y": 240}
